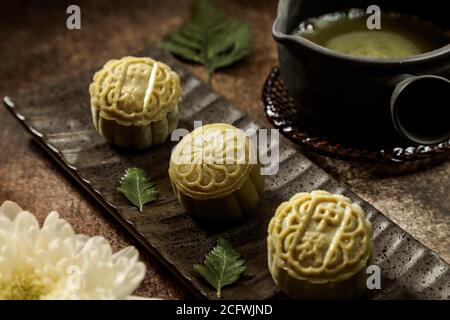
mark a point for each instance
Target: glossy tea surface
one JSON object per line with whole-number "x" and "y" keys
{"x": 399, "y": 36}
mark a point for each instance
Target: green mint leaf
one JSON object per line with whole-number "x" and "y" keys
{"x": 137, "y": 187}
{"x": 222, "y": 266}
{"x": 210, "y": 39}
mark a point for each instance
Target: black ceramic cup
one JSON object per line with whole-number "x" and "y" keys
{"x": 366, "y": 99}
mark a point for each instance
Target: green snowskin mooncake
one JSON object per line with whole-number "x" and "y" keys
{"x": 319, "y": 246}
{"x": 215, "y": 173}
{"x": 134, "y": 102}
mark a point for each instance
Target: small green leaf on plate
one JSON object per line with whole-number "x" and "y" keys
{"x": 210, "y": 39}
{"x": 222, "y": 266}
{"x": 137, "y": 187}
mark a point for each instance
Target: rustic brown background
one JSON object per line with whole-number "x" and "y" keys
{"x": 37, "y": 49}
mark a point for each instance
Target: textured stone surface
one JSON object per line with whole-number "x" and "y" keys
{"x": 38, "y": 49}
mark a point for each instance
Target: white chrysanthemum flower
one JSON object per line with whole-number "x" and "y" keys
{"x": 53, "y": 262}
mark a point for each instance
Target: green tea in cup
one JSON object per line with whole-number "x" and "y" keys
{"x": 399, "y": 36}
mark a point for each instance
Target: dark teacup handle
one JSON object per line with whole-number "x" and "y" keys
{"x": 419, "y": 108}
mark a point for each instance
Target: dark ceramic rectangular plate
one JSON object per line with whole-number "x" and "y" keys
{"x": 59, "y": 119}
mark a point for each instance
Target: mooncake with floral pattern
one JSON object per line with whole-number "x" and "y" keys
{"x": 215, "y": 173}
{"x": 135, "y": 101}
{"x": 319, "y": 247}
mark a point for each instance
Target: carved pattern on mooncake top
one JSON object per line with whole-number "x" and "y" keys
{"x": 320, "y": 236}
{"x": 212, "y": 160}
{"x": 135, "y": 90}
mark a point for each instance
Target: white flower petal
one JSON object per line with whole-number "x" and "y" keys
{"x": 55, "y": 227}
{"x": 53, "y": 262}
{"x": 10, "y": 209}
{"x": 25, "y": 223}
